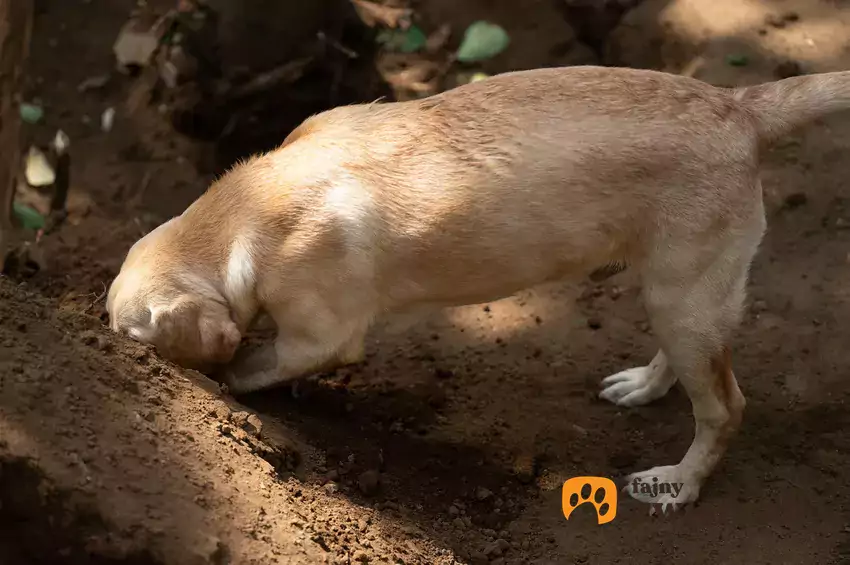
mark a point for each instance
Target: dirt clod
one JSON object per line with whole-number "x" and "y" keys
{"x": 88, "y": 337}
{"x": 368, "y": 482}
{"x": 788, "y": 69}
{"x": 525, "y": 467}
{"x": 239, "y": 419}
{"x": 497, "y": 548}
{"x": 795, "y": 200}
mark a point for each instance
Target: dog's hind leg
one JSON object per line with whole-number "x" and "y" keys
{"x": 694, "y": 289}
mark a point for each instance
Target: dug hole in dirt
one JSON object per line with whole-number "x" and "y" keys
{"x": 451, "y": 442}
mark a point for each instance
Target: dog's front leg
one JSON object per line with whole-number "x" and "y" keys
{"x": 249, "y": 362}
{"x": 290, "y": 358}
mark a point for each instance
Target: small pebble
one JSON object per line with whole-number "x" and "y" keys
{"x": 107, "y": 119}
{"x": 482, "y": 493}
{"x": 331, "y": 488}
{"x": 253, "y": 425}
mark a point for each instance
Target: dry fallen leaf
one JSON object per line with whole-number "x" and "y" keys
{"x": 410, "y": 74}
{"x": 38, "y": 169}
{"x": 372, "y": 14}
{"x": 35, "y": 199}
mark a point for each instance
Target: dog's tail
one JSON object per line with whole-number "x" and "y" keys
{"x": 782, "y": 106}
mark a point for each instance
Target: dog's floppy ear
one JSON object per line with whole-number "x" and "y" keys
{"x": 194, "y": 332}
{"x": 220, "y": 338}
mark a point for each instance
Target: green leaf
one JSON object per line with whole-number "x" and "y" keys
{"x": 481, "y": 41}
{"x": 28, "y": 217}
{"x": 737, "y": 60}
{"x": 408, "y": 40}
{"x": 30, "y": 113}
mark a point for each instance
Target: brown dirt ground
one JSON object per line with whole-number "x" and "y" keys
{"x": 472, "y": 420}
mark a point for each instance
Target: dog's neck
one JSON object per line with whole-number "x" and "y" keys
{"x": 223, "y": 228}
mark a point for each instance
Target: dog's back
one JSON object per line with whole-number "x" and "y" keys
{"x": 539, "y": 173}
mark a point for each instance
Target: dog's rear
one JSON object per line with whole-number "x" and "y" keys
{"x": 695, "y": 276}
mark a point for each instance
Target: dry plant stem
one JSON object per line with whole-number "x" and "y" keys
{"x": 15, "y": 31}
{"x": 284, "y": 74}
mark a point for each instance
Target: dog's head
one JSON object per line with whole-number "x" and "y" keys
{"x": 156, "y": 300}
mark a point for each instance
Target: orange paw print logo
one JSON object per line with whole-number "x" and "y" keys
{"x": 598, "y": 491}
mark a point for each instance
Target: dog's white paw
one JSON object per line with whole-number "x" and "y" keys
{"x": 668, "y": 486}
{"x": 638, "y": 386}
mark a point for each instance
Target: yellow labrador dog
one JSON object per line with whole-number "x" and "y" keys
{"x": 470, "y": 196}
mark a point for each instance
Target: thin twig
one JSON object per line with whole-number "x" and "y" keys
{"x": 143, "y": 187}
{"x": 98, "y": 298}
{"x": 350, "y": 53}
{"x": 288, "y": 73}
{"x": 62, "y": 183}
